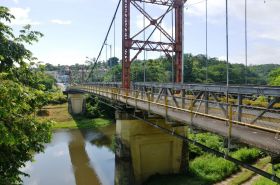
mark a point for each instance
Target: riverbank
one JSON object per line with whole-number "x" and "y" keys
{"x": 207, "y": 169}
{"x": 63, "y": 120}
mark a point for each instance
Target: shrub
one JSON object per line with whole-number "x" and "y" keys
{"x": 208, "y": 139}
{"x": 247, "y": 155}
{"x": 93, "y": 107}
{"x": 212, "y": 168}
{"x": 56, "y": 97}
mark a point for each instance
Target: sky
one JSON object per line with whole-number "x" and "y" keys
{"x": 75, "y": 29}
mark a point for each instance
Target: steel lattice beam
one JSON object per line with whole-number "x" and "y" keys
{"x": 126, "y": 45}
{"x": 157, "y": 2}
{"x": 174, "y": 45}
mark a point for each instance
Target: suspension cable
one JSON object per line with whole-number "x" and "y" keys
{"x": 144, "y": 36}
{"x": 114, "y": 37}
{"x": 172, "y": 22}
{"x": 104, "y": 42}
{"x": 206, "y": 38}
{"x": 227, "y": 44}
{"x": 227, "y": 66}
{"x": 246, "y": 45}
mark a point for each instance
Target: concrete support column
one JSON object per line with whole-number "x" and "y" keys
{"x": 151, "y": 150}
{"x": 76, "y": 103}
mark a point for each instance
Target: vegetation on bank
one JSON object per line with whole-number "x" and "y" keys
{"x": 246, "y": 175}
{"x": 207, "y": 169}
{"x": 160, "y": 70}
{"x": 265, "y": 181}
{"x": 60, "y": 118}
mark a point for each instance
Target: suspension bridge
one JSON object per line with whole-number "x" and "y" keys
{"x": 173, "y": 107}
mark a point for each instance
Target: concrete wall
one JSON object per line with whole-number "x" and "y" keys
{"x": 76, "y": 103}
{"x": 152, "y": 151}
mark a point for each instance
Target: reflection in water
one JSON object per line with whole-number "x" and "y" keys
{"x": 84, "y": 174}
{"x": 74, "y": 157}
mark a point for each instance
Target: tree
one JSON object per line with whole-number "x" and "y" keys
{"x": 113, "y": 62}
{"x": 274, "y": 77}
{"x": 21, "y": 94}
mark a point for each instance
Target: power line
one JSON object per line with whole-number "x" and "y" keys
{"x": 227, "y": 51}
{"x": 105, "y": 40}
{"x": 144, "y": 36}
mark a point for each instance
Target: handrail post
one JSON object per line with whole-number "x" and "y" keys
{"x": 149, "y": 102}
{"x": 230, "y": 116}
{"x": 166, "y": 103}
{"x": 191, "y": 111}
{"x": 136, "y": 96}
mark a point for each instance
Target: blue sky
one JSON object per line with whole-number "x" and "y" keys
{"x": 75, "y": 29}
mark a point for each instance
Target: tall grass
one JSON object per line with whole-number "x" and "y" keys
{"x": 247, "y": 155}
{"x": 210, "y": 140}
{"x": 212, "y": 168}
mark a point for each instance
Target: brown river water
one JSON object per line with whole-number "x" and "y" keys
{"x": 74, "y": 157}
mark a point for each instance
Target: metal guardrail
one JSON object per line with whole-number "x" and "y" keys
{"x": 273, "y": 91}
{"x": 218, "y": 111}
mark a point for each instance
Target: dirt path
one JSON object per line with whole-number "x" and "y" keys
{"x": 255, "y": 177}
{"x": 243, "y": 174}
{"x": 228, "y": 180}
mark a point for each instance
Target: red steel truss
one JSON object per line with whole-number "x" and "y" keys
{"x": 130, "y": 43}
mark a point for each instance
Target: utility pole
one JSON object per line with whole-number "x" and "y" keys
{"x": 110, "y": 46}
{"x": 110, "y": 55}
{"x": 106, "y": 51}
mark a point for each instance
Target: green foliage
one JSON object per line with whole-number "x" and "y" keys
{"x": 245, "y": 175}
{"x": 247, "y": 155}
{"x": 12, "y": 50}
{"x": 212, "y": 168}
{"x": 265, "y": 181}
{"x": 92, "y": 107}
{"x": 113, "y": 62}
{"x": 274, "y": 77}
{"x": 95, "y": 109}
{"x": 262, "y": 72}
{"x": 176, "y": 180}
{"x": 82, "y": 123}
{"x": 159, "y": 70}
{"x": 56, "y": 97}
{"x": 210, "y": 140}
{"x": 21, "y": 134}
{"x": 22, "y": 92}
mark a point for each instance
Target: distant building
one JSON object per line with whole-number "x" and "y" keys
{"x": 53, "y": 74}
{"x": 60, "y": 77}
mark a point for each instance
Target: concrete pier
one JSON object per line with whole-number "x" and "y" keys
{"x": 148, "y": 151}
{"x": 76, "y": 103}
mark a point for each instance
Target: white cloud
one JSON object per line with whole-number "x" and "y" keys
{"x": 262, "y": 17}
{"x": 197, "y": 8}
{"x": 15, "y": 1}
{"x": 264, "y": 54}
{"x": 22, "y": 17}
{"x": 263, "y": 27}
{"x": 61, "y": 22}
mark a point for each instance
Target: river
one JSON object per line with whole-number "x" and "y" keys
{"x": 74, "y": 157}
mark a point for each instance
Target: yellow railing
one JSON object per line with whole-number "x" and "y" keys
{"x": 128, "y": 94}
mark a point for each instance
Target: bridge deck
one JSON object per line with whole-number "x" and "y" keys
{"x": 264, "y": 139}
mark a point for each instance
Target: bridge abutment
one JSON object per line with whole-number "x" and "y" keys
{"x": 147, "y": 150}
{"x": 76, "y": 103}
